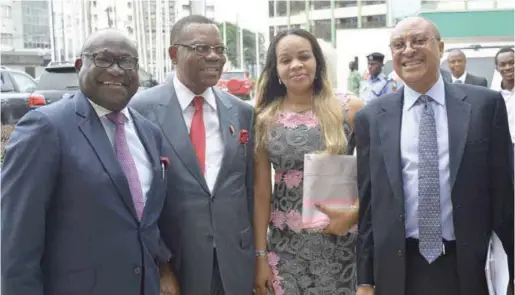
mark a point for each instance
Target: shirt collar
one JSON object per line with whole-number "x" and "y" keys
{"x": 102, "y": 112}
{"x": 437, "y": 93}
{"x": 185, "y": 95}
{"x": 379, "y": 77}
{"x": 461, "y": 78}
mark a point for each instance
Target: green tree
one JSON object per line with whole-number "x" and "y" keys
{"x": 249, "y": 45}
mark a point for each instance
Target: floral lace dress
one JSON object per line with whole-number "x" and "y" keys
{"x": 303, "y": 263}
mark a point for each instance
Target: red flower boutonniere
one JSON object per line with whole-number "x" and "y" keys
{"x": 244, "y": 138}
{"x": 165, "y": 163}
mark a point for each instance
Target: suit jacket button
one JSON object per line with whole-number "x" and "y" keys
{"x": 399, "y": 252}
{"x": 137, "y": 270}
{"x": 401, "y": 217}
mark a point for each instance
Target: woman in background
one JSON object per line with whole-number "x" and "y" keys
{"x": 298, "y": 113}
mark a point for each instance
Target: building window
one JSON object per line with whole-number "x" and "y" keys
{"x": 321, "y": 4}
{"x": 374, "y": 21}
{"x": 281, "y": 8}
{"x": 6, "y": 39}
{"x": 271, "y": 9}
{"x": 347, "y": 3}
{"x": 129, "y": 18}
{"x": 347, "y": 23}
{"x": 5, "y": 11}
{"x": 297, "y": 7}
{"x": 374, "y": 2}
{"x": 129, "y": 5}
{"x": 322, "y": 29}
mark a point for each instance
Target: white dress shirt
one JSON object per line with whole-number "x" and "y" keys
{"x": 462, "y": 78}
{"x": 410, "y": 163}
{"x": 214, "y": 142}
{"x": 138, "y": 152}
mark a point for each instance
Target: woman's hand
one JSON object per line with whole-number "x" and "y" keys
{"x": 341, "y": 220}
{"x": 263, "y": 277}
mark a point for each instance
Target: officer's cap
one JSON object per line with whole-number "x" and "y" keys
{"x": 376, "y": 56}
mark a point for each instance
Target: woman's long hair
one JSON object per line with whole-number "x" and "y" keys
{"x": 327, "y": 108}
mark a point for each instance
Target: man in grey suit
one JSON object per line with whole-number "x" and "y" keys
{"x": 82, "y": 187}
{"x": 435, "y": 178}
{"x": 457, "y": 62}
{"x": 207, "y": 219}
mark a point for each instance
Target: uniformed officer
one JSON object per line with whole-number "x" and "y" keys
{"x": 377, "y": 83}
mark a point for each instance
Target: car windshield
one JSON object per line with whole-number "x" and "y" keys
{"x": 58, "y": 79}
{"x": 233, "y": 75}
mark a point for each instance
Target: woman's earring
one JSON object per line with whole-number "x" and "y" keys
{"x": 280, "y": 82}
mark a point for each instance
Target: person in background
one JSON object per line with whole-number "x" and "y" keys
{"x": 82, "y": 186}
{"x": 376, "y": 84}
{"x": 298, "y": 113}
{"x": 435, "y": 177}
{"x": 457, "y": 62}
{"x": 504, "y": 63}
{"x": 207, "y": 218}
{"x": 354, "y": 78}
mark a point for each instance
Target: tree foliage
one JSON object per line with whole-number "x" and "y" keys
{"x": 249, "y": 45}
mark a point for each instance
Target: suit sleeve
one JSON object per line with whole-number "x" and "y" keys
{"x": 365, "y": 240}
{"x": 501, "y": 180}
{"x": 249, "y": 177}
{"x": 484, "y": 82}
{"x": 29, "y": 174}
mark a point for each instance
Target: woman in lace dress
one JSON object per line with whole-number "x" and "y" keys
{"x": 297, "y": 113}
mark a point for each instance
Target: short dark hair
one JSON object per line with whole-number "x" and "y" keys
{"x": 179, "y": 26}
{"x": 503, "y": 50}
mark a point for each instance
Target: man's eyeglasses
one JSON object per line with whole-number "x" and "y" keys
{"x": 203, "y": 49}
{"x": 416, "y": 42}
{"x": 105, "y": 61}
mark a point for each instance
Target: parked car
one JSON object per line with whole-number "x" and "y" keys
{"x": 60, "y": 80}
{"x": 237, "y": 83}
{"x": 16, "y": 88}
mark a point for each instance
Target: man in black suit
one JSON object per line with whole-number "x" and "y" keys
{"x": 457, "y": 62}
{"x": 435, "y": 177}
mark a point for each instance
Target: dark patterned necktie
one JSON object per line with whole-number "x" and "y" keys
{"x": 430, "y": 231}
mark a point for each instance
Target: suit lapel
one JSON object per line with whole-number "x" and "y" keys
{"x": 458, "y": 118}
{"x": 228, "y": 118}
{"x": 171, "y": 121}
{"x": 389, "y": 124}
{"x": 152, "y": 152}
{"x": 92, "y": 129}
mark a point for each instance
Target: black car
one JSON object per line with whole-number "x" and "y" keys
{"x": 16, "y": 89}
{"x": 60, "y": 79}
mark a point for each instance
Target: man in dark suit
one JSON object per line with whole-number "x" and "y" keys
{"x": 435, "y": 177}
{"x": 82, "y": 186}
{"x": 206, "y": 222}
{"x": 457, "y": 62}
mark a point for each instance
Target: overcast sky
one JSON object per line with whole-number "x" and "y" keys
{"x": 252, "y": 14}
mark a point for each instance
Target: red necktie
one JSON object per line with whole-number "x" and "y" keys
{"x": 198, "y": 132}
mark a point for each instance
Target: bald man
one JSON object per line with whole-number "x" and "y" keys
{"x": 82, "y": 186}
{"x": 435, "y": 177}
{"x": 457, "y": 62}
